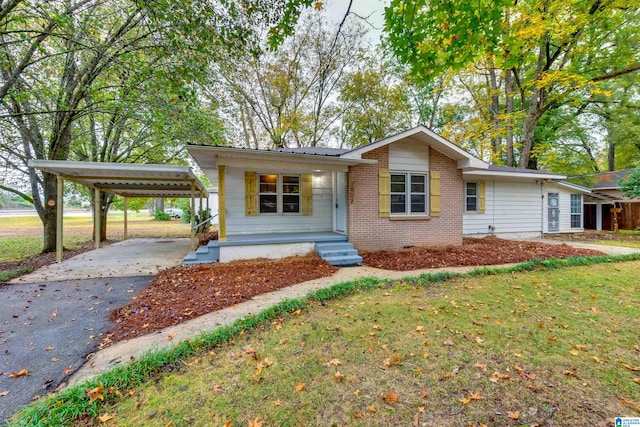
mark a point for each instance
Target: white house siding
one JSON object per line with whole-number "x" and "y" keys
{"x": 510, "y": 207}
{"x": 239, "y": 223}
{"x": 564, "y": 203}
{"x": 409, "y": 156}
{"x": 517, "y": 209}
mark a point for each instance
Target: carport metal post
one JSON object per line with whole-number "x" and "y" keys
{"x": 125, "y": 205}
{"x": 96, "y": 217}
{"x": 193, "y": 219}
{"x": 59, "y": 213}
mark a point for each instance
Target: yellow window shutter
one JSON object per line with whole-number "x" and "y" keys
{"x": 481, "y": 196}
{"x": 435, "y": 192}
{"x": 306, "y": 192}
{"x": 384, "y": 193}
{"x": 250, "y": 193}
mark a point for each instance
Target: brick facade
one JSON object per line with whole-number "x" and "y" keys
{"x": 368, "y": 232}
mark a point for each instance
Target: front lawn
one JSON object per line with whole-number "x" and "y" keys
{"x": 546, "y": 347}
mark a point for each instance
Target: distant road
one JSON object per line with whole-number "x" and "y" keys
{"x": 32, "y": 212}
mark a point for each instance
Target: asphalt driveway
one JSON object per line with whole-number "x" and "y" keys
{"x": 49, "y": 328}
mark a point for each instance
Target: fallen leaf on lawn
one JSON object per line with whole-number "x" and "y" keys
{"x": 581, "y": 347}
{"x": 627, "y": 402}
{"x": 256, "y": 423}
{"x": 569, "y": 373}
{"x": 20, "y": 373}
{"x": 95, "y": 393}
{"x": 447, "y": 342}
{"x": 472, "y": 396}
{"x": 300, "y": 387}
{"x": 333, "y": 362}
{"x": 421, "y": 409}
{"x": 475, "y": 322}
{"x": 574, "y": 352}
{"x": 357, "y": 414}
{"x": 552, "y": 339}
{"x": 377, "y": 327}
{"x": 356, "y": 393}
{"x": 499, "y": 376}
{"x": 3, "y": 393}
{"x": 426, "y": 342}
{"x": 513, "y": 415}
{"x": 420, "y": 329}
{"x": 277, "y": 403}
{"x": 390, "y": 397}
{"x": 297, "y": 312}
{"x": 597, "y": 360}
{"x": 479, "y": 340}
{"x": 217, "y": 388}
{"x": 632, "y": 368}
{"x": 482, "y": 366}
{"x": 636, "y": 380}
{"x": 424, "y": 394}
{"x": 373, "y": 409}
{"x": 105, "y": 417}
{"x": 636, "y": 347}
{"x": 338, "y": 377}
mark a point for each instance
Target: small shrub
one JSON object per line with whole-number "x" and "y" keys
{"x": 162, "y": 216}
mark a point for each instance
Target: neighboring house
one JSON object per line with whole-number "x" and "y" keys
{"x": 410, "y": 189}
{"x": 600, "y": 207}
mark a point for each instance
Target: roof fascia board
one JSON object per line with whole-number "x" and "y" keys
{"x": 502, "y": 174}
{"x": 223, "y": 153}
{"x": 574, "y": 186}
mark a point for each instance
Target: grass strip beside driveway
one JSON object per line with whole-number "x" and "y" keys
{"x": 495, "y": 348}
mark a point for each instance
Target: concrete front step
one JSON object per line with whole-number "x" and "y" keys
{"x": 338, "y": 253}
{"x": 344, "y": 260}
{"x": 202, "y": 255}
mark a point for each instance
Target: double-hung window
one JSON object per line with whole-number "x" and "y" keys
{"x": 576, "y": 211}
{"x": 279, "y": 194}
{"x": 471, "y": 197}
{"x": 408, "y": 193}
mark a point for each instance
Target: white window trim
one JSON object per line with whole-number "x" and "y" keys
{"x": 477, "y": 197}
{"x": 279, "y": 194}
{"x": 407, "y": 194}
{"x": 572, "y": 213}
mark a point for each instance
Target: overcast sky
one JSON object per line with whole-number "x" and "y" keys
{"x": 373, "y": 10}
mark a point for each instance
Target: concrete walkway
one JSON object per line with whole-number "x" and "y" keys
{"x": 129, "y": 258}
{"x": 128, "y": 350}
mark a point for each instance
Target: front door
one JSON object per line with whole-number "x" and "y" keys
{"x": 553, "y": 213}
{"x": 341, "y": 202}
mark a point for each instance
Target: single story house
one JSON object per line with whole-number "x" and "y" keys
{"x": 606, "y": 206}
{"x": 410, "y": 189}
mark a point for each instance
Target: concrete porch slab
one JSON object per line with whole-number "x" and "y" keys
{"x": 129, "y": 258}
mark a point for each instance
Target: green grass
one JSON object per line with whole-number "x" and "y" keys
{"x": 22, "y": 236}
{"x": 552, "y": 340}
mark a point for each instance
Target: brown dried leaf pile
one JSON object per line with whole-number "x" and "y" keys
{"x": 183, "y": 293}
{"x": 485, "y": 251}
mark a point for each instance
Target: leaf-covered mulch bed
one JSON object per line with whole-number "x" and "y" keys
{"x": 474, "y": 252}
{"x": 183, "y": 293}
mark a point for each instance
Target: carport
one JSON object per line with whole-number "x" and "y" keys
{"x": 126, "y": 180}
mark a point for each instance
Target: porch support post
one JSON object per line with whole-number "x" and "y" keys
{"x": 193, "y": 217}
{"x": 96, "y": 218}
{"x": 222, "y": 217}
{"x": 59, "y": 213}
{"x": 126, "y": 205}
{"x": 201, "y": 217}
{"x": 599, "y": 216}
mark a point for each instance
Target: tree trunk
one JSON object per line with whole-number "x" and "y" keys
{"x": 611, "y": 153}
{"x": 496, "y": 140}
{"x": 49, "y": 224}
{"x": 158, "y": 204}
{"x": 508, "y": 89}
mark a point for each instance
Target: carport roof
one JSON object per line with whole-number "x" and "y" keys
{"x": 127, "y": 179}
